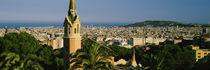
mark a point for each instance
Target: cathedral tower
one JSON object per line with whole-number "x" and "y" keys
{"x": 72, "y": 38}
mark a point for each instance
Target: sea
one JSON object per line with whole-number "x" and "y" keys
{"x": 54, "y": 24}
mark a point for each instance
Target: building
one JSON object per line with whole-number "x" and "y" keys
{"x": 123, "y": 42}
{"x": 177, "y": 41}
{"x": 72, "y": 38}
{"x": 100, "y": 39}
{"x": 137, "y": 41}
{"x": 200, "y": 53}
{"x": 56, "y": 43}
{"x": 144, "y": 41}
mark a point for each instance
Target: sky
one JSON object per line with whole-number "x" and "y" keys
{"x": 106, "y": 11}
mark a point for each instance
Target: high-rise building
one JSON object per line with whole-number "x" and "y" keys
{"x": 72, "y": 38}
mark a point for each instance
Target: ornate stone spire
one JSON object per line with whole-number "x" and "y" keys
{"x": 72, "y": 38}
{"x": 72, "y": 9}
{"x": 133, "y": 63}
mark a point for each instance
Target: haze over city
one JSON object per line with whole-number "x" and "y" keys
{"x": 119, "y": 11}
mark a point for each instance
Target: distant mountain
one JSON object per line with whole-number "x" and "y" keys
{"x": 164, "y": 23}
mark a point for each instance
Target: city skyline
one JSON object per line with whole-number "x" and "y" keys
{"x": 117, "y": 11}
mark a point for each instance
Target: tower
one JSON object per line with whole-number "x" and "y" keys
{"x": 133, "y": 62}
{"x": 72, "y": 38}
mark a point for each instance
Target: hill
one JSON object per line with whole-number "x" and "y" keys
{"x": 164, "y": 23}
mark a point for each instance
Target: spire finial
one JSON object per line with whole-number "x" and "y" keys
{"x": 72, "y": 4}
{"x": 72, "y": 9}
{"x": 133, "y": 63}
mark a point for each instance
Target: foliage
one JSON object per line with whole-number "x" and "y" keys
{"x": 23, "y": 51}
{"x": 203, "y": 64}
{"x": 133, "y": 68}
{"x": 88, "y": 42}
{"x": 161, "y": 23}
{"x": 91, "y": 58}
{"x": 168, "y": 57}
{"x": 121, "y": 52}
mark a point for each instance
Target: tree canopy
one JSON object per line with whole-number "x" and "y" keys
{"x": 168, "y": 57}
{"x": 23, "y": 51}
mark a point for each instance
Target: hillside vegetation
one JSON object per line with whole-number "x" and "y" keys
{"x": 164, "y": 23}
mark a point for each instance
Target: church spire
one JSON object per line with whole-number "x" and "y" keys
{"x": 72, "y": 38}
{"x": 133, "y": 63}
{"x": 72, "y": 9}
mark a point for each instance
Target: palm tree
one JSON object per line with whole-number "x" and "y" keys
{"x": 14, "y": 61}
{"x": 32, "y": 61}
{"x": 91, "y": 58}
{"x": 9, "y": 61}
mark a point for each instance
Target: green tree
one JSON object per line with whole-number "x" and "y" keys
{"x": 23, "y": 51}
{"x": 168, "y": 57}
{"x": 121, "y": 52}
{"x": 58, "y": 59}
{"x": 91, "y": 58}
{"x": 10, "y": 60}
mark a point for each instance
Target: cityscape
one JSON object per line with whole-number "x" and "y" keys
{"x": 116, "y": 35}
{"x": 161, "y": 44}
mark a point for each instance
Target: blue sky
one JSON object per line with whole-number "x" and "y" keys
{"x": 119, "y": 11}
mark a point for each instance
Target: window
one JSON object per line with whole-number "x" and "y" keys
{"x": 78, "y": 28}
{"x": 75, "y": 30}
{"x": 65, "y": 29}
{"x": 69, "y": 30}
{"x": 205, "y": 53}
{"x": 199, "y": 56}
